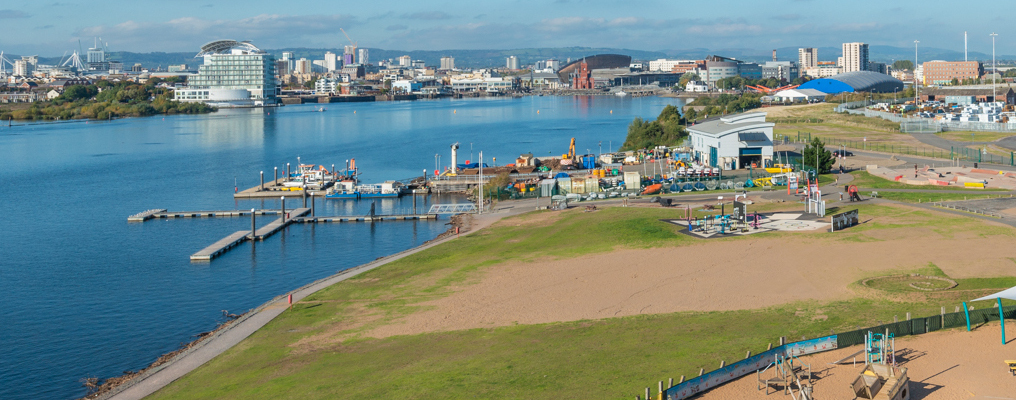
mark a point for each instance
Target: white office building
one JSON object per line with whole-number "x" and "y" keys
{"x": 234, "y": 74}
{"x": 807, "y": 58}
{"x": 733, "y": 142}
{"x": 331, "y": 61}
{"x": 405, "y": 61}
{"x": 512, "y": 62}
{"x": 855, "y": 57}
{"x": 364, "y": 57}
{"x": 447, "y": 63}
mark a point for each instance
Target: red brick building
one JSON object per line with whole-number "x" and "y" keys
{"x": 943, "y": 72}
{"x": 583, "y": 77}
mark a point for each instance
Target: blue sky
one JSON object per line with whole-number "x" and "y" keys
{"x": 50, "y": 27}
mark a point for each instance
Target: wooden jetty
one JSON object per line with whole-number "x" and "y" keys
{"x": 275, "y": 189}
{"x": 228, "y": 242}
{"x": 367, "y": 218}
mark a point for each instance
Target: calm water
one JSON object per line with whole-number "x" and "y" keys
{"x": 87, "y": 294}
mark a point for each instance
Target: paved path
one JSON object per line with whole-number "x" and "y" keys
{"x": 932, "y": 139}
{"x": 239, "y": 330}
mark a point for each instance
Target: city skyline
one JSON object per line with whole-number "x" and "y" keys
{"x": 56, "y": 27}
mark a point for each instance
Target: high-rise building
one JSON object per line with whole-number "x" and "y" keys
{"x": 855, "y": 57}
{"x": 303, "y": 66}
{"x": 512, "y": 62}
{"x": 234, "y": 74}
{"x": 331, "y": 61}
{"x": 405, "y": 61}
{"x": 447, "y": 63}
{"x": 25, "y": 66}
{"x": 364, "y": 57}
{"x": 287, "y": 56}
{"x": 807, "y": 57}
{"x": 349, "y": 55}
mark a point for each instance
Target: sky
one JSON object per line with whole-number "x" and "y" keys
{"x": 52, "y": 27}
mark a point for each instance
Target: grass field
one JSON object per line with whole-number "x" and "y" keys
{"x": 918, "y": 197}
{"x": 608, "y": 358}
{"x": 967, "y": 136}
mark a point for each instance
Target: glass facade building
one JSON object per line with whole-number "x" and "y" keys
{"x": 230, "y": 66}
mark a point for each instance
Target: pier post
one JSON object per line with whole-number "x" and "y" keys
{"x": 283, "y": 208}
{"x": 287, "y": 172}
{"x": 414, "y": 204}
{"x": 262, "y": 187}
{"x": 313, "y": 202}
{"x": 253, "y": 225}
{"x": 304, "y": 196}
{"x": 276, "y": 181}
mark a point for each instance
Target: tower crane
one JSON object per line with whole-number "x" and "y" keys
{"x": 350, "y": 42}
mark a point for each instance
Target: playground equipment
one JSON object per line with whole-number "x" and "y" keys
{"x": 1012, "y": 366}
{"x": 852, "y": 192}
{"x": 787, "y": 372}
{"x": 881, "y": 378}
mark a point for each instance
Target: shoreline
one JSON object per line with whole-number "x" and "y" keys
{"x": 173, "y": 365}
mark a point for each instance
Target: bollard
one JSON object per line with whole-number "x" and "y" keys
{"x": 313, "y": 203}
{"x": 908, "y": 316}
{"x": 770, "y": 347}
{"x": 783, "y": 340}
{"x": 276, "y": 181}
{"x": 290, "y": 299}
{"x": 262, "y": 187}
{"x": 661, "y": 388}
{"x": 283, "y": 208}
{"x": 895, "y": 319}
{"x": 723, "y": 364}
{"x": 671, "y": 383}
{"x": 304, "y": 194}
{"x": 647, "y": 393}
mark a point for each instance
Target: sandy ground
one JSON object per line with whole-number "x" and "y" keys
{"x": 953, "y": 364}
{"x": 711, "y": 275}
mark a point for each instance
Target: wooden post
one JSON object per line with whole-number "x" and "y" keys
{"x": 770, "y": 347}
{"x": 701, "y": 371}
{"x": 671, "y": 383}
{"x": 896, "y": 319}
{"x": 723, "y": 363}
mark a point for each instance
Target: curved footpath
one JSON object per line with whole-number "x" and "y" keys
{"x": 159, "y": 377}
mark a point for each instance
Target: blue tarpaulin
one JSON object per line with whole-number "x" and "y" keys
{"x": 562, "y": 175}
{"x": 472, "y": 165}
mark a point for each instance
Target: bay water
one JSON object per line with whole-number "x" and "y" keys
{"x": 88, "y": 294}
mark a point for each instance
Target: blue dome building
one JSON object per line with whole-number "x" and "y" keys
{"x": 857, "y": 81}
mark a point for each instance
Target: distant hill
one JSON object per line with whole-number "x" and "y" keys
{"x": 496, "y": 58}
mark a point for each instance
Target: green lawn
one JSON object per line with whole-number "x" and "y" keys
{"x": 974, "y": 136}
{"x": 318, "y": 351}
{"x": 918, "y": 197}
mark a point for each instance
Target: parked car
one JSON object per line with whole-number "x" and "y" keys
{"x": 842, "y": 153}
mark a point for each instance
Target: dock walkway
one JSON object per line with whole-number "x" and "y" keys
{"x": 367, "y": 218}
{"x": 228, "y": 242}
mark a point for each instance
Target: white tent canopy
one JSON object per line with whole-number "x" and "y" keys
{"x": 1008, "y": 294}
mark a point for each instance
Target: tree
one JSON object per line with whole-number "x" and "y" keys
{"x": 955, "y": 82}
{"x": 310, "y": 83}
{"x": 903, "y": 64}
{"x": 688, "y": 77}
{"x": 817, "y": 149}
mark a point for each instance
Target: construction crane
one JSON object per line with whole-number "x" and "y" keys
{"x": 571, "y": 151}
{"x": 350, "y": 42}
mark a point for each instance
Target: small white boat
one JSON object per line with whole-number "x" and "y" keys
{"x": 620, "y": 93}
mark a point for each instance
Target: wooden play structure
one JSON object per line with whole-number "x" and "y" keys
{"x": 788, "y": 373}
{"x": 881, "y": 378}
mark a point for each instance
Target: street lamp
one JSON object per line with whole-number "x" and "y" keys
{"x": 994, "y": 70}
{"x": 915, "y": 73}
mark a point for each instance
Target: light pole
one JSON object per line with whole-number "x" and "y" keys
{"x": 994, "y": 70}
{"x": 915, "y": 73}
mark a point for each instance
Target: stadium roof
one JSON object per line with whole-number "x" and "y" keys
{"x": 857, "y": 81}
{"x": 599, "y": 61}
{"x": 224, "y": 46}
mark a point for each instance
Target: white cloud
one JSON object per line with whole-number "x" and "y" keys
{"x": 189, "y": 33}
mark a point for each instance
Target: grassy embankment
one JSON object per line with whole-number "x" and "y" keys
{"x": 612, "y": 358}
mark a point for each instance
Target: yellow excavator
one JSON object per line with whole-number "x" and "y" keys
{"x": 571, "y": 151}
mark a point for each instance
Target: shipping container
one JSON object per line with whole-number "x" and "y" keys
{"x": 563, "y": 185}
{"x": 548, "y": 187}
{"x": 633, "y": 180}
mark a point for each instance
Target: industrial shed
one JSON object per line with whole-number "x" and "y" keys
{"x": 857, "y": 81}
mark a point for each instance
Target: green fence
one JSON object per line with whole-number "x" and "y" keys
{"x": 918, "y": 326}
{"x": 958, "y": 153}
